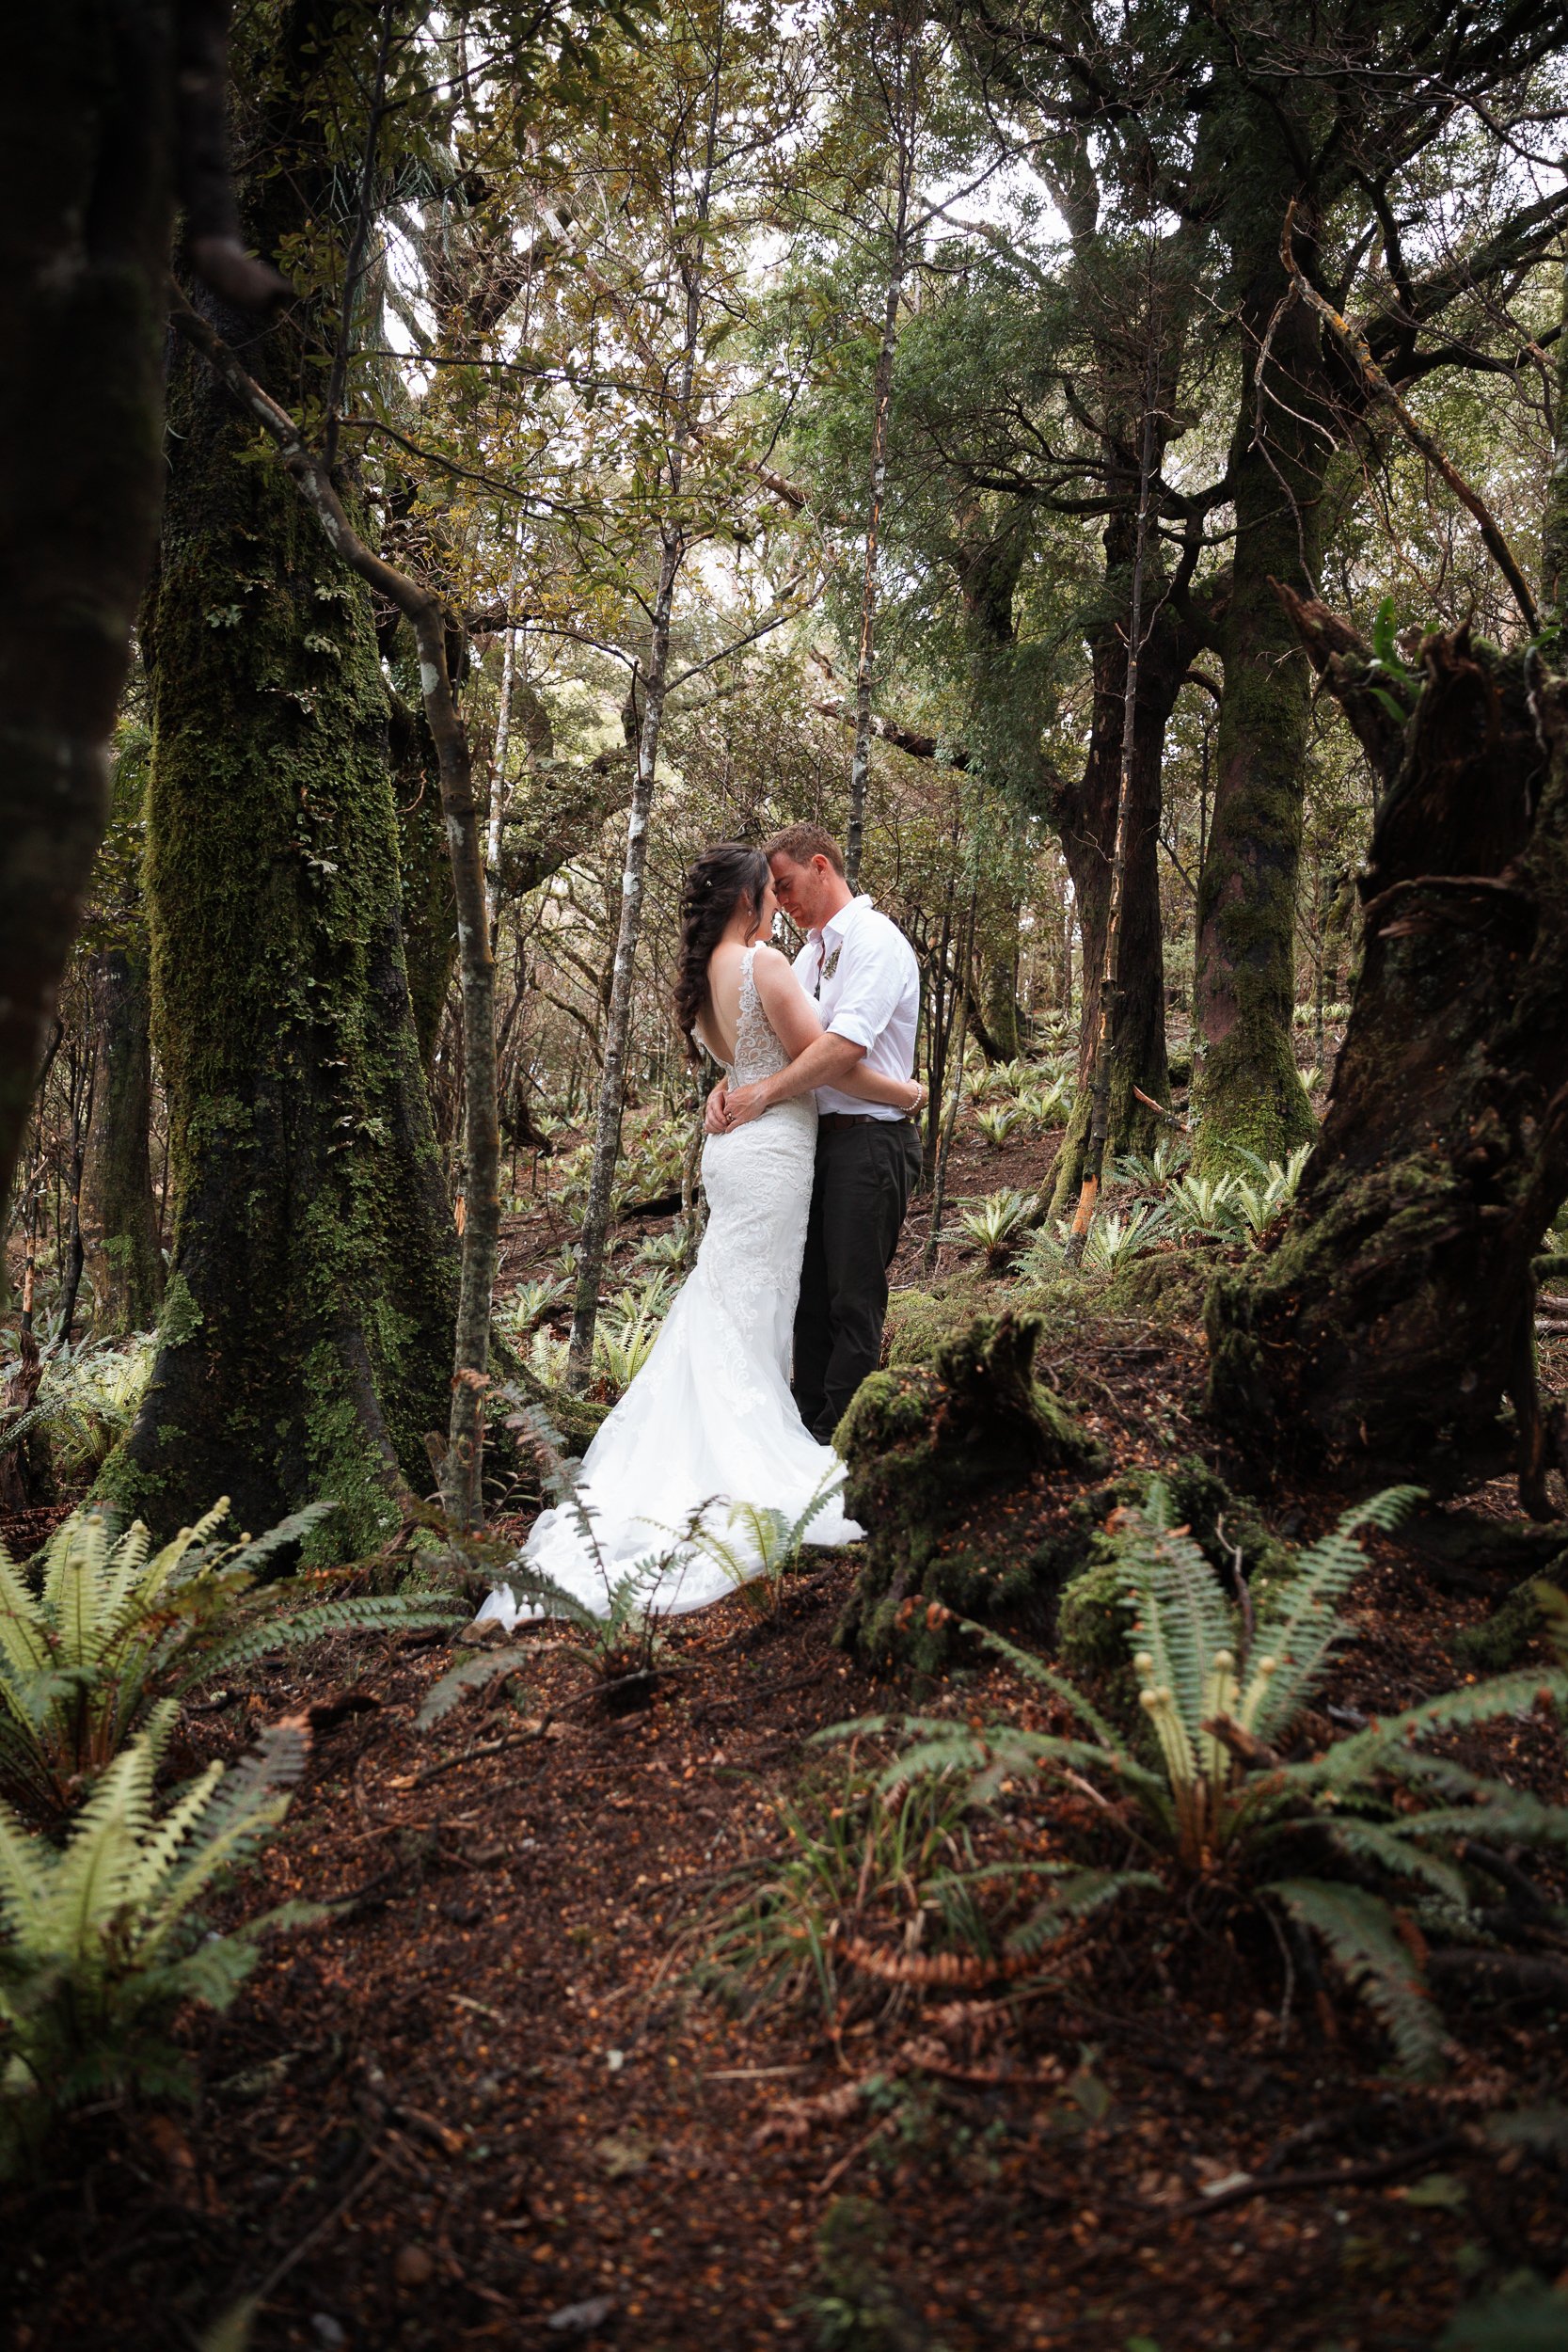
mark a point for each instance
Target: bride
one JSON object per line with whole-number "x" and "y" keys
{"x": 709, "y": 1422}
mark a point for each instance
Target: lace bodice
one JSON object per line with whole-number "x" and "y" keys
{"x": 757, "y": 1051}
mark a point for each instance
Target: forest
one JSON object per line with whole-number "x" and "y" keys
{"x": 1105, "y": 463}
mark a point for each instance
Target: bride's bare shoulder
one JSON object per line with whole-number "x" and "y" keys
{"x": 773, "y": 973}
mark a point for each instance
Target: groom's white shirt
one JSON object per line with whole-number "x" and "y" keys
{"x": 870, "y": 994}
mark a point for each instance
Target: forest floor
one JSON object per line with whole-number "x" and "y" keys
{"x": 496, "y": 2098}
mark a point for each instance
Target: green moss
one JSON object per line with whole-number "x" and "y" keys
{"x": 1504, "y": 1639}
{"x": 180, "y": 1319}
{"x": 919, "y": 1323}
{"x": 930, "y": 1453}
{"x": 1091, "y": 1623}
{"x": 1166, "y": 1286}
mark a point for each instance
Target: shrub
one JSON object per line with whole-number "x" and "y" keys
{"x": 996, "y": 1122}
{"x": 85, "y": 1403}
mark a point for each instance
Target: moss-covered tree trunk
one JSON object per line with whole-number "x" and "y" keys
{"x": 1394, "y": 1315}
{"x": 120, "y": 1216}
{"x": 305, "y": 1340}
{"x": 86, "y": 202}
{"x": 306, "y": 1343}
{"x": 1248, "y": 1091}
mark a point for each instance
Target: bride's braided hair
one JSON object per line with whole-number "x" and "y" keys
{"x": 714, "y": 887}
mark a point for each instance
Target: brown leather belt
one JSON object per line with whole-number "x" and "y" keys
{"x": 858, "y": 1119}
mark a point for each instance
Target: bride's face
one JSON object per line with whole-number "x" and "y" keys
{"x": 766, "y": 910}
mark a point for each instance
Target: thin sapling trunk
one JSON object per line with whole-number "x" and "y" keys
{"x": 1110, "y": 986}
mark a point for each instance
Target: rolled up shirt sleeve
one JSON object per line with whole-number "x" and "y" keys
{"x": 869, "y": 993}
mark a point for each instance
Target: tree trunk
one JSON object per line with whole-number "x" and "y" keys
{"x": 1088, "y": 840}
{"x": 120, "y": 1216}
{"x": 902, "y": 99}
{"x": 1246, "y": 1089}
{"x": 1387, "y": 1323}
{"x": 429, "y": 906}
{"x": 86, "y": 143}
{"x": 612, "y": 1082}
{"x": 305, "y": 1346}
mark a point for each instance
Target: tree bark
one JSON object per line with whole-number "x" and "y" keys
{"x": 1246, "y": 1088}
{"x": 86, "y": 128}
{"x": 303, "y": 1345}
{"x": 120, "y": 1216}
{"x": 1389, "y": 1320}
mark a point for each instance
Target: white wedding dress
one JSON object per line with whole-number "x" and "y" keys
{"x": 709, "y": 1421}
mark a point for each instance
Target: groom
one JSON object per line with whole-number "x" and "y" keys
{"x": 863, "y": 973}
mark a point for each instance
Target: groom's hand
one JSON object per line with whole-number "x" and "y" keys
{"x": 713, "y": 1116}
{"x": 745, "y": 1103}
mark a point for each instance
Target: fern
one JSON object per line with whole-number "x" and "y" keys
{"x": 1077, "y": 1895}
{"x": 482, "y": 1667}
{"x": 1223, "y": 1808}
{"x": 760, "y": 1545}
{"x": 99, "y": 1941}
{"x": 1357, "y": 1932}
{"x": 1295, "y": 1635}
{"x": 118, "y": 1626}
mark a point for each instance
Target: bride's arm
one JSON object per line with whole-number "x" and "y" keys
{"x": 816, "y": 1056}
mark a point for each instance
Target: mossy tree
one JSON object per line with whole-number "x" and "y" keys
{"x": 1248, "y": 1093}
{"x": 304, "y": 1348}
{"x": 118, "y": 1215}
{"x": 1393, "y": 1316}
{"x": 1224, "y": 121}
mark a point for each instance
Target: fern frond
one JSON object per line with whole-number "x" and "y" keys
{"x": 1473, "y": 1703}
{"x": 374, "y": 1612}
{"x": 292, "y": 1530}
{"x": 1181, "y": 1618}
{"x": 1385, "y": 1511}
{"x": 482, "y": 1667}
{"x": 1356, "y": 1929}
{"x": 1074, "y": 1898}
{"x": 1552, "y": 1601}
{"x": 1301, "y": 1624}
{"x": 1395, "y": 1848}
{"x": 1046, "y": 1678}
{"x": 91, "y": 1877}
{"x": 23, "y": 1641}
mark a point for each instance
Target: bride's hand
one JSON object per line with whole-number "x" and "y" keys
{"x": 921, "y": 1096}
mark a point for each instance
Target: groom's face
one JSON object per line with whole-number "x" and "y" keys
{"x": 802, "y": 889}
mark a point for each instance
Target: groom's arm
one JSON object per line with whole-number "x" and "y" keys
{"x": 825, "y": 1062}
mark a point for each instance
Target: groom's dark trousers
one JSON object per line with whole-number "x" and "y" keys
{"x": 866, "y": 1170}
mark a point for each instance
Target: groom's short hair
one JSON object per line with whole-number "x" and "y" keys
{"x": 802, "y": 843}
